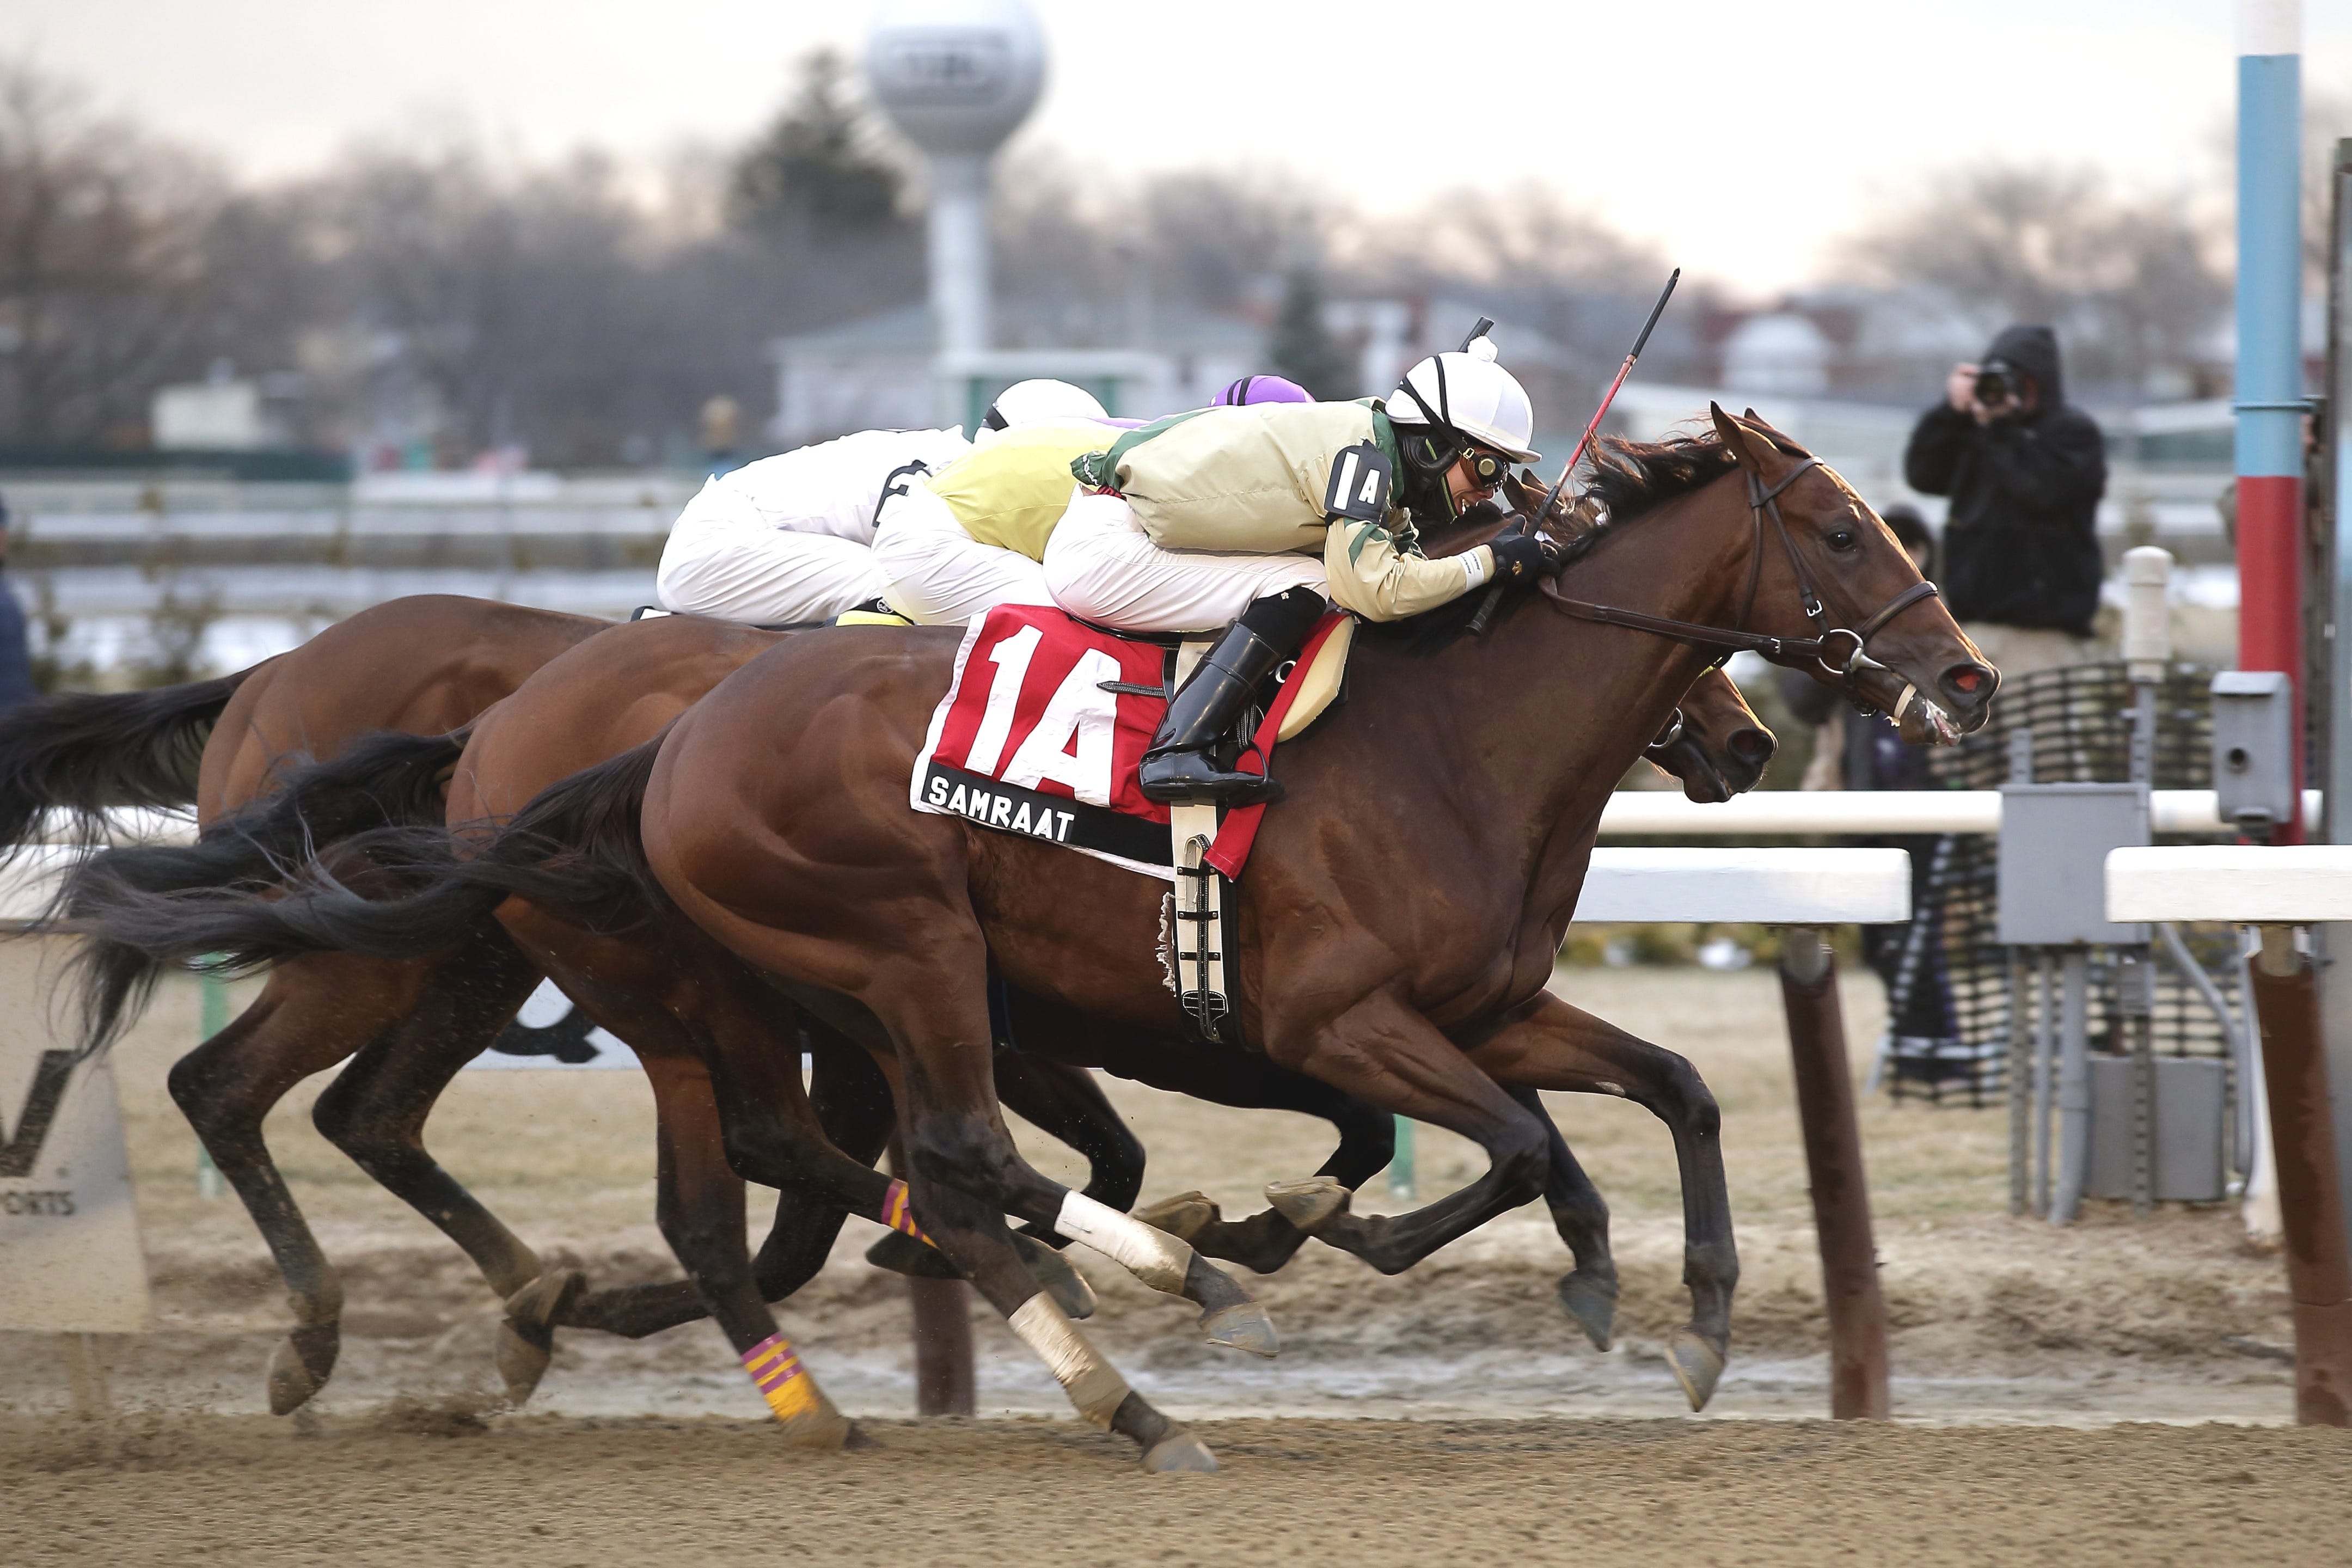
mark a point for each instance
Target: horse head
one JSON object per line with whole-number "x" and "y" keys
{"x": 1715, "y": 744}
{"x": 1826, "y": 566}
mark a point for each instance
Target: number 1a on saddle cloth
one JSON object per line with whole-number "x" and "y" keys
{"x": 1028, "y": 739}
{"x": 1033, "y": 738}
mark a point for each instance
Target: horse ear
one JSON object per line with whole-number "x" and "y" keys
{"x": 1743, "y": 444}
{"x": 1786, "y": 443}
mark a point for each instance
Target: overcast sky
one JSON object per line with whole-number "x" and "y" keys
{"x": 1744, "y": 137}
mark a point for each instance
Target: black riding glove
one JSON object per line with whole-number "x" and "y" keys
{"x": 1521, "y": 558}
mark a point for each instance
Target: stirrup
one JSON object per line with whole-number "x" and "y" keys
{"x": 1188, "y": 777}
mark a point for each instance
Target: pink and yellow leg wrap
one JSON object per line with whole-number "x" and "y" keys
{"x": 787, "y": 1386}
{"x": 898, "y": 1213}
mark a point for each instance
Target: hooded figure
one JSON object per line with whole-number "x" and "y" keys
{"x": 2025, "y": 472}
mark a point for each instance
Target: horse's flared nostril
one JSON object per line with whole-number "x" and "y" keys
{"x": 1968, "y": 684}
{"x": 1754, "y": 747}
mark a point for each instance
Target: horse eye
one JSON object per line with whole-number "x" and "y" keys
{"x": 1842, "y": 539}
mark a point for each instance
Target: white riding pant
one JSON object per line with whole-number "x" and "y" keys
{"x": 936, "y": 575}
{"x": 1102, "y": 566}
{"x": 724, "y": 559}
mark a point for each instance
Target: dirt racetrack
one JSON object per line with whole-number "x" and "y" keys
{"x": 406, "y": 1488}
{"x": 2104, "y": 1394}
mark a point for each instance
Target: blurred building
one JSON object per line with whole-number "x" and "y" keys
{"x": 884, "y": 373}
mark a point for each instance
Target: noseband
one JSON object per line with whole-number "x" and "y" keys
{"x": 1838, "y": 650}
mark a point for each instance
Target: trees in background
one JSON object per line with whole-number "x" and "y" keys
{"x": 436, "y": 294}
{"x": 2133, "y": 282}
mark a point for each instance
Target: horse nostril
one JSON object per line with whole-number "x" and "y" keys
{"x": 1753, "y": 746}
{"x": 1967, "y": 679}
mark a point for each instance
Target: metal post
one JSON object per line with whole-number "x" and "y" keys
{"x": 2269, "y": 401}
{"x": 2335, "y": 941}
{"x": 212, "y": 1017}
{"x": 1402, "y": 1173}
{"x": 2019, "y": 1087}
{"x": 1833, "y": 1165}
{"x": 2045, "y": 1071}
{"x": 2319, "y": 1276}
{"x": 2147, "y": 650}
{"x": 2074, "y": 1085}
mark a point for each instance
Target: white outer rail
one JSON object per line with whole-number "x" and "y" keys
{"x": 1759, "y": 887}
{"x": 1641, "y": 813}
{"x": 2247, "y": 884}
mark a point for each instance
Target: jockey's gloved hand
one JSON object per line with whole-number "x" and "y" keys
{"x": 1521, "y": 558}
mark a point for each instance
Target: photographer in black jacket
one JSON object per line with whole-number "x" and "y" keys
{"x": 2025, "y": 471}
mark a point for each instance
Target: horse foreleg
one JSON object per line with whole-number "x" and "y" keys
{"x": 701, "y": 1210}
{"x": 1589, "y": 1291}
{"x": 1065, "y": 1103}
{"x": 1388, "y": 1056}
{"x": 1554, "y": 1046}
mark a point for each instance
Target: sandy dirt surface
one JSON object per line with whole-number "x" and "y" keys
{"x": 416, "y": 1487}
{"x": 2004, "y": 1330}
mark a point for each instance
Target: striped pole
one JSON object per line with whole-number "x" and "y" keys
{"x": 2269, "y": 399}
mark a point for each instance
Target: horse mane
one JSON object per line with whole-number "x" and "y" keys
{"x": 1630, "y": 479}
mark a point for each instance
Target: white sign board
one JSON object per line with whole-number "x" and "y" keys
{"x": 70, "y": 1256}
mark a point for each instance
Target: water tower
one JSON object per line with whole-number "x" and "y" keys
{"x": 958, "y": 76}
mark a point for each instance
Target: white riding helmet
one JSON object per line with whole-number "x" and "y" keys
{"x": 1042, "y": 402}
{"x": 1468, "y": 393}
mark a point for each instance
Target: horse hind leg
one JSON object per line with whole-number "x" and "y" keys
{"x": 375, "y": 1112}
{"x": 1270, "y": 1238}
{"x": 312, "y": 1014}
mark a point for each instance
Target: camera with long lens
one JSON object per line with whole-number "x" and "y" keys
{"x": 1996, "y": 383}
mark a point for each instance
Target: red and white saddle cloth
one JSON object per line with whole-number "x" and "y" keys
{"x": 1033, "y": 738}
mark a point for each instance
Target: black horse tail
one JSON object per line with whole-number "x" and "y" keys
{"x": 574, "y": 849}
{"x": 83, "y": 752}
{"x": 381, "y": 782}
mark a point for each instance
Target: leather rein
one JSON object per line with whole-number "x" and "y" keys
{"x": 1820, "y": 647}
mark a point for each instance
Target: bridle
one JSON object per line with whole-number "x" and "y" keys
{"x": 1822, "y": 647}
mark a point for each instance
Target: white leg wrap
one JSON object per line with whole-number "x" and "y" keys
{"x": 1093, "y": 1385}
{"x": 1154, "y": 1256}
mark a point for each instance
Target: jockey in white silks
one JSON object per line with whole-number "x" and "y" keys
{"x": 974, "y": 536}
{"x": 1254, "y": 519}
{"x": 788, "y": 541}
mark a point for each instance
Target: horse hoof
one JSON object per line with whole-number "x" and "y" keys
{"x": 301, "y": 1365}
{"x": 1308, "y": 1204}
{"x": 1245, "y": 1326}
{"x": 1050, "y": 1268}
{"x": 824, "y": 1428}
{"x": 1697, "y": 1366}
{"x": 902, "y": 1254}
{"x": 1184, "y": 1216}
{"x": 1591, "y": 1301}
{"x": 527, "y": 1333}
{"x": 1180, "y": 1450}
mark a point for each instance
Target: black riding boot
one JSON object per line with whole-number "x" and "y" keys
{"x": 1181, "y": 767}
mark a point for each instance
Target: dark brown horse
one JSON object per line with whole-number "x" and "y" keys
{"x": 691, "y": 1010}
{"x": 423, "y": 664}
{"x": 1396, "y": 924}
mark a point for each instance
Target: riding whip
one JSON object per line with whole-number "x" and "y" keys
{"x": 1495, "y": 594}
